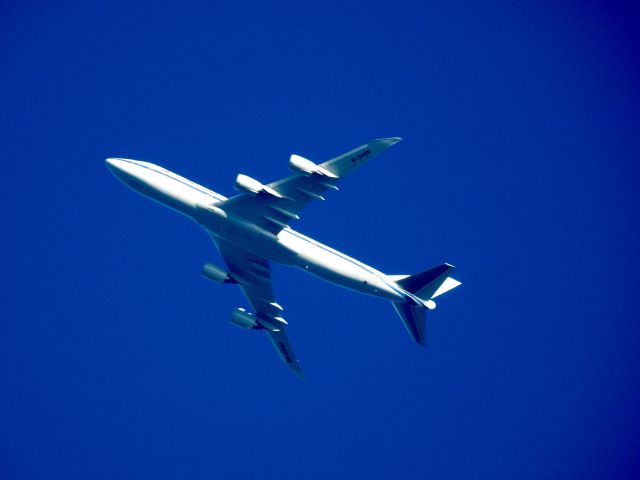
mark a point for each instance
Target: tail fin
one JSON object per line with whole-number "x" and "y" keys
{"x": 430, "y": 283}
{"x": 426, "y": 286}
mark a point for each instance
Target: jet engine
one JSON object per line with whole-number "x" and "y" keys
{"x": 307, "y": 167}
{"x": 243, "y": 319}
{"x": 215, "y": 273}
{"x": 250, "y": 185}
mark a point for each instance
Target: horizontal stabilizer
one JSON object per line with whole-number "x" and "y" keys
{"x": 414, "y": 320}
{"x": 430, "y": 283}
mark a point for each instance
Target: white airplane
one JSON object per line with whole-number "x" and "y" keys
{"x": 252, "y": 228}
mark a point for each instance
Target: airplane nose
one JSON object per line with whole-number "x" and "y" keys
{"x": 122, "y": 168}
{"x": 114, "y": 164}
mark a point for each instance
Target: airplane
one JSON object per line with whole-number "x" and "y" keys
{"x": 252, "y": 228}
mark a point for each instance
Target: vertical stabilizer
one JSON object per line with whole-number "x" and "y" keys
{"x": 425, "y": 286}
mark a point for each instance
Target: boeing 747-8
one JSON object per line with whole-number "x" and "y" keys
{"x": 252, "y": 228}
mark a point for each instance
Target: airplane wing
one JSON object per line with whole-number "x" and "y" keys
{"x": 273, "y": 213}
{"x": 253, "y": 274}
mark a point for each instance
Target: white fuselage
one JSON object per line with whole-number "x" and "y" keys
{"x": 288, "y": 247}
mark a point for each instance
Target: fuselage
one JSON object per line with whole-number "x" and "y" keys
{"x": 289, "y": 247}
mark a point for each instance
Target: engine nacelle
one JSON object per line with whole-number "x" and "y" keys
{"x": 243, "y": 319}
{"x": 250, "y": 185}
{"x": 215, "y": 273}
{"x": 307, "y": 167}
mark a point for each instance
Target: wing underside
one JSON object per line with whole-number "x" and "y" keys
{"x": 275, "y": 212}
{"x": 280, "y": 340}
{"x": 272, "y": 209}
{"x": 253, "y": 274}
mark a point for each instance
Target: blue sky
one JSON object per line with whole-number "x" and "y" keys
{"x": 519, "y": 165}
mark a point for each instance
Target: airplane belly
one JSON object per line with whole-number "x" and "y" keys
{"x": 339, "y": 269}
{"x": 243, "y": 234}
{"x": 158, "y": 185}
